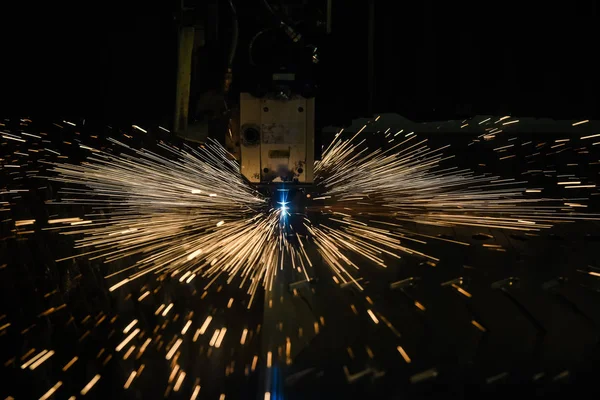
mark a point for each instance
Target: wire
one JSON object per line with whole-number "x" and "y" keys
{"x": 284, "y": 22}
{"x": 234, "y": 34}
{"x": 268, "y": 5}
{"x": 252, "y": 41}
{"x": 233, "y": 49}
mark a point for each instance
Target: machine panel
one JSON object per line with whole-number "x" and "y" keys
{"x": 277, "y": 139}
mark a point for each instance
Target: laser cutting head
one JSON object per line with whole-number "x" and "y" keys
{"x": 277, "y": 138}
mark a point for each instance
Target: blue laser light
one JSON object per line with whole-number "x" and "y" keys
{"x": 283, "y": 205}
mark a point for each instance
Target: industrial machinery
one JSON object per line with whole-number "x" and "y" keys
{"x": 262, "y": 111}
{"x": 247, "y": 76}
{"x": 277, "y": 139}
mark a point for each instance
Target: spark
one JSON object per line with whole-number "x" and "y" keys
{"x": 171, "y": 352}
{"x": 184, "y": 213}
{"x": 50, "y": 392}
{"x": 24, "y": 222}
{"x": 90, "y": 385}
{"x": 146, "y": 343}
{"x": 160, "y": 219}
{"x": 139, "y": 129}
{"x": 186, "y": 327}
{"x": 581, "y": 122}
{"x": 33, "y": 359}
{"x": 590, "y": 136}
{"x": 373, "y": 317}
{"x": 131, "y": 324}
{"x": 166, "y": 311}
{"x": 220, "y": 337}
{"x": 130, "y": 379}
{"x": 195, "y": 392}
{"x": 127, "y": 340}
{"x": 179, "y": 381}
{"x": 118, "y": 285}
{"x": 41, "y": 360}
{"x": 204, "y": 326}
{"x": 214, "y": 338}
{"x": 155, "y": 214}
{"x": 128, "y": 353}
{"x": 70, "y": 364}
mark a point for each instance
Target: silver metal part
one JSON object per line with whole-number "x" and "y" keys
{"x": 277, "y": 138}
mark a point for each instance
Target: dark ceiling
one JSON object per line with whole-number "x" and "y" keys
{"x": 431, "y": 61}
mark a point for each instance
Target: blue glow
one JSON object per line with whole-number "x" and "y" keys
{"x": 283, "y": 204}
{"x": 284, "y": 208}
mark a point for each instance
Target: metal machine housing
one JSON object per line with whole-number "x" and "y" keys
{"x": 277, "y": 139}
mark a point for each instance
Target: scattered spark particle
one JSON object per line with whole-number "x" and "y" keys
{"x": 403, "y": 354}
{"x": 461, "y": 290}
{"x": 127, "y": 340}
{"x": 70, "y": 364}
{"x": 90, "y": 385}
{"x": 51, "y": 391}
{"x": 195, "y": 392}
{"x": 205, "y": 325}
{"x": 41, "y": 360}
{"x": 139, "y": 129}
{"x": 373, "y": 317}
{"x": 33, "y": 359}
{"x": 128, "y": 353}
{"x": 173, "y": 349}
{"x": 118, "y": 285}
{"x": 581, "y": 122}
{"x": 220, "y": 338}
{"x": 478, "y": 325}
{"x": 131, "y": 325}
{"x": 166, "y": 311}
{"x": 130, "y": 379}
{"x": 179, "y": 381}
{"x": 214, "y": 338}
{"x": 186, "y": 327}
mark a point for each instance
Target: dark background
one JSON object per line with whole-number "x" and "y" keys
{"x": 116, "y": 60}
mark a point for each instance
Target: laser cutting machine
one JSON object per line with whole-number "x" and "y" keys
{"x": 261, "y": 107}
{"x": 263, "y": 110}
